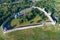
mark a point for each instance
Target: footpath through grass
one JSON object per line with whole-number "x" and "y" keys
{"x": 41, "y": 33}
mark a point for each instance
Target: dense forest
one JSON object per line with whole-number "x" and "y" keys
{"x": 9, "y": 7}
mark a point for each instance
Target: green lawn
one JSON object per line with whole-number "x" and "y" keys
{"x": 17, "y": 23}
{"x": 41, "y": 33}
{"x": 1, "y": 37}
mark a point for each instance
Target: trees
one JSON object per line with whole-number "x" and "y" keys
{"x": 49, "y": 9}
{"x": 44, "y": 3}
{"x": 8, "y": 9}
{"x": 27, "y": 2}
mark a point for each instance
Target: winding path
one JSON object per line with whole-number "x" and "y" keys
{"x": 47, "y": 14}
{"x": 38, "y": 25}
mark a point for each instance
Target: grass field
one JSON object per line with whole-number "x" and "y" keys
{"x": 16, "y": 22}
{"x": 1, "y": 38}
{"x": 41, "y": 33}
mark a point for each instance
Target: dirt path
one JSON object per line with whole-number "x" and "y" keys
{"x": 39, "y": 25}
